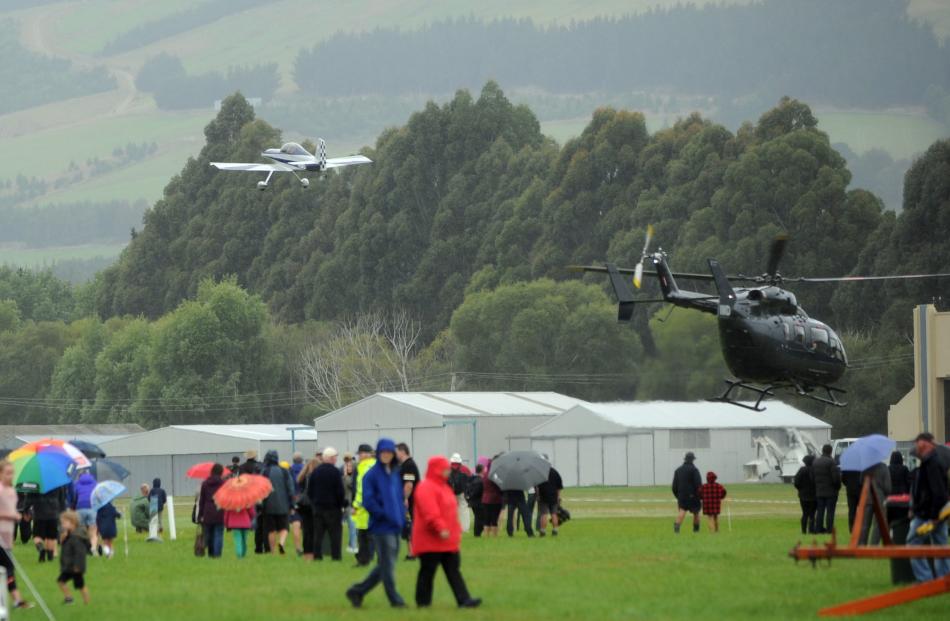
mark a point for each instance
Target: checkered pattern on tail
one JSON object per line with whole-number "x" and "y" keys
{"x": 322, "y": 152}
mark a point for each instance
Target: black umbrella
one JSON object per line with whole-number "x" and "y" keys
{"x": 519, "y": 470}
{"x": 90, "y": 450}
{"x": 105, "y": 470}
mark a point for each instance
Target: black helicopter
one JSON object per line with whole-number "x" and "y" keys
{"x": 767, "y": 339}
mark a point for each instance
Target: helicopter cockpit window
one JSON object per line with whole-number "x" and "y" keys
{"x": 819, "y": 340}
{"x": 837, "y": 350}
{"x": 292, "y": 148}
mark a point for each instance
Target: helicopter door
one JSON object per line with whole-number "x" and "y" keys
{"x": 800, "y": 335}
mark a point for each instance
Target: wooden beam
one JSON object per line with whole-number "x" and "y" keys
{"x": 828, "y": 552}
{"x": 892, "y": 598}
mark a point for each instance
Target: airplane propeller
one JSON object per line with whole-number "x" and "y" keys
{"x": 638, "y": 271}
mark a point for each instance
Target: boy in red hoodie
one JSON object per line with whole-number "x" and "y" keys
{"x": 437, "y": 535}
{"x": 712, "y": 493}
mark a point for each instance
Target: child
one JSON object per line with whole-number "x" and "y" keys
{"x": 8, "y": 519}
{"x": 712, "y": 494}
{"x": 105, "y": 521}
{"x": 239, "y": 522}
{"x": 72, "y": 556}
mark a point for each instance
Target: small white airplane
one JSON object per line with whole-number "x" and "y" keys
{"x": 293, "y": 158}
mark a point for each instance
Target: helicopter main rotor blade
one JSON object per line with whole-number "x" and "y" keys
{"x": 680, "y": 275}
{"x": 861, "y": 278}
{"x": 775, "y": 254}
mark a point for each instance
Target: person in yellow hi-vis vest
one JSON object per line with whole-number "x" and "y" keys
{"x": 364, "y": 543}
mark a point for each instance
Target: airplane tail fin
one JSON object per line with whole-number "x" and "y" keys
{"x": 322, "y": 152}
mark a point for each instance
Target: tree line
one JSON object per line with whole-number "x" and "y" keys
{"x": 164, "y": 76}
{"x": 858, "y": 53}
{"x": 466, "y": 221}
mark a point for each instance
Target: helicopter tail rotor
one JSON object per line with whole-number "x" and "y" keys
{"x": 638, "y": 271}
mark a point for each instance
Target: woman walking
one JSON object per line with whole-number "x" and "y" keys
{"x": 210, "y": 516}
{"x": 304, "y": 508}
{"x": 437, "y": 535}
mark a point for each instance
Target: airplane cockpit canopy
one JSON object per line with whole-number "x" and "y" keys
{"x": 292, "y": 148}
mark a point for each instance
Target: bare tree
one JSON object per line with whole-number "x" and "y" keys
{"x": 367, "y": 354}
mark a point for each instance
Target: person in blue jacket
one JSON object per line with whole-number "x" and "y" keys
{"x": 383, "y": 500}
{"x": 82, "y": 502}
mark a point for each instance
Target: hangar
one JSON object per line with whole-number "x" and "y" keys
{"x": 642, "y": 442}
{"x": 469, "y": 423}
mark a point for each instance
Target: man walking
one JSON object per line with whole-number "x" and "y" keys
{"x": 278, "y": 504}
{"x": 929, "y": 496}
{"x": 364, "y": 543}
{"x": 827, "y": 483}
{"x": 686, "y": 484}
{"x": 383, "y": 500}
{"x": 327, "y": 499}
{"x": 410, "y": 479}
{"x": 549, "y": 499}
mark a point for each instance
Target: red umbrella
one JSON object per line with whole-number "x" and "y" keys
{"x": 242, "y": 491}
{"x": 200, "y": 471}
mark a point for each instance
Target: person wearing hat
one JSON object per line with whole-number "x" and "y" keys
{"x": 382, "y": 498}
{"x": 712, "y": 494}
{"x": 686, "y": 487}
{"x": 364, "y": 543}
{"x": 327, "y": 498}
{"x": 459, "y": 477}
{"x": 930, "y": 504}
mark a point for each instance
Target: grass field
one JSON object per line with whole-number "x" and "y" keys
{"x": 42, "y": 257}
{"x": 618, "y": 559}
{"x": 903, "y": 135}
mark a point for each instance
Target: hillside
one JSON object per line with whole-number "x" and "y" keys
{"x": 73, "y": 152}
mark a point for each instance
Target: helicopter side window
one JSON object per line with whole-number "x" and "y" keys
{"x": 787, "y": 330}
{"x": 800, "y": 335}
{"x": 837, "y": 350}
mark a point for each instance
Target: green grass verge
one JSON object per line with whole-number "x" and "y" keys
{"x": 600, "y": 568}
{"x": 42, "y": 257}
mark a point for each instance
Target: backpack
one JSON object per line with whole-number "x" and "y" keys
{"x": 473, "y": 491}
{"x": 458, "y": 481}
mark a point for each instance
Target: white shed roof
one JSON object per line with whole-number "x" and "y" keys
{"x": 685, "y": 415}
{"x": 471, "y": 404}
{"x": 253, "y": 432}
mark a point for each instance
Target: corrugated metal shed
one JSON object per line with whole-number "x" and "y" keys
{"x": 470, "y": 423}
{"x": 641, "y": 443}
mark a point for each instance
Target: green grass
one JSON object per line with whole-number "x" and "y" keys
{"x": 901, "y": 134}
{"x": 600, "y": 568}
{"x": 40, "y": 257}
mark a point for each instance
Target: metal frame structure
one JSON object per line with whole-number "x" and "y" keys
{"x": 887, "y": 550}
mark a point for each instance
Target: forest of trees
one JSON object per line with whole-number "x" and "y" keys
{"x": 857, "y": 53}
{"x": 30, "y": 79}
{"x": 165, "y": 78}
{"x": 464, "y": 224}
{"x": 70, "y": 224}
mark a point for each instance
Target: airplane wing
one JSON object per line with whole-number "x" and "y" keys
{"x": 251, "y": 167}
{"x": 349, "y": 160}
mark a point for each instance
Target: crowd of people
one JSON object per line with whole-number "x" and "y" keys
{"x": 381, "y": 498}
{"x": 820, "y": 479}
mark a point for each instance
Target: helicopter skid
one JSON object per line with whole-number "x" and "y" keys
{"x": 830, "y": 391}
{"x": 762, "y": 391}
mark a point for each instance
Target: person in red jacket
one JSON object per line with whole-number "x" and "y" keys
{"x": 437, "y": 535}
{"x": 712, "y": 494}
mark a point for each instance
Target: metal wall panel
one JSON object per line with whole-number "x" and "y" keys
{"x": 590, "y": 461}
{"x": 564, "y": 458}
{"x": 615, "y": 460}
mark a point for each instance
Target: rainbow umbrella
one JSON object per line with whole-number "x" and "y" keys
{"x": 46, "y": 464}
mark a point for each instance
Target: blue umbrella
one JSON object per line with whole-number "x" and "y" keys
{"x": 866, "y": 452}
{"x": 107, "y": 470}
{"x": 105, "y": 492}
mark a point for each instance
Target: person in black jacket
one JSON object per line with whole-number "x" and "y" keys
{"x": 210, "y": 516}
{"x": 327, "y": 501}
{"x": 805, "y": 484}
{"x": 900, "y": 475}
{"x": 686, "y": 484}
{"x": 252, "y": 466}
{"x": 46, "y": 509}
{"x": 929, "y": 497}
{"x": 827, "y": 484}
